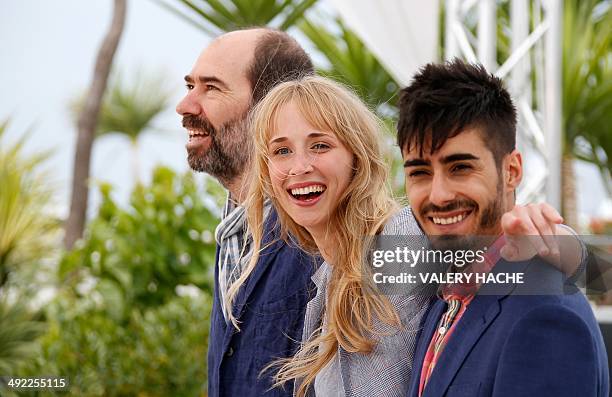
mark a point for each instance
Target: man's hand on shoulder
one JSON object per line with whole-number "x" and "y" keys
{"x": 530, "y": 231}
{"x": 534, "y": 229}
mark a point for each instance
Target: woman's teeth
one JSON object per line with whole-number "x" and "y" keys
{"x": 308, "y": 190}
{"x": 448, "y": 221}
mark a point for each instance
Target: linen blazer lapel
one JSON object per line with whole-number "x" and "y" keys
{"x": 315, "y": 307}
{"x": 387, "y": 370}
{"x": 313, "y": 315}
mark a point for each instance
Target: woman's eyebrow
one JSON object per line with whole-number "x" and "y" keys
{"x": 317, "y": 134}
{"x": 277, "y": 140}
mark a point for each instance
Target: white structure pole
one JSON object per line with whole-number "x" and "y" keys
{"x": 553, "y": 108}
{"x": 487, "y": 34}
{"x": 519, "y": 76}
{"x": 519, "y": 28}
{"x": 451, "y": 47}
{"x": 539, "y": 122}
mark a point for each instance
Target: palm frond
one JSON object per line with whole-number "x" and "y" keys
{"x": 352, "y": 63}
{"x": 27, "y": 230}
{"x": 18, "y": 333}
{"x": 226, "y": 15}
{"x": 587, "y": 82}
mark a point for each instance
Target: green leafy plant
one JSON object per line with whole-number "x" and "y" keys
{"x": 217, "y": 16}
{"x": 130, "y": 105}
{"x": 587, "y": 83}
{"x": 28, "y": 235}
{"x": 27, "y": 230}
{"x": 156, "y": 351}
{"x": 18, "y": 332}
{"x": 353, "y": 64}
{"x": 131, "y": 311}
{"x": 142, "y": 253}
{"x": 129, "y": 108}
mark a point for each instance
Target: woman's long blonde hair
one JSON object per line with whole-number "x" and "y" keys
{"x": 362, "y": 210}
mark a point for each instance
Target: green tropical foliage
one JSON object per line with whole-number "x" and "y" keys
{"x": 352, "y": 63}
{"x": 587, "y": 83}
{"x": 27, "y": 231}
{"x": 142, "y": 253}
{"x": 155, "y": 351}
{"x": 19, "y": 330}
{"x": 131, "y": 312}
{"x": 217, "y": 16}
{"x": 27, "y": 235}
{"x": 130, "y": 106}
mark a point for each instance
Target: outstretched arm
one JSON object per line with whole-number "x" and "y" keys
{"x": 537, "y": 229}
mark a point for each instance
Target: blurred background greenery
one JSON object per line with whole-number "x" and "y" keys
{"x": 125, "y": 310}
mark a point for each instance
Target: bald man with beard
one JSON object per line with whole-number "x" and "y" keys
{"x": 264, "y": 320}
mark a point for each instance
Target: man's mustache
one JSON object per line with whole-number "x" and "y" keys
{"x": 198, "y": 124}
{"x": 455, "y": 205}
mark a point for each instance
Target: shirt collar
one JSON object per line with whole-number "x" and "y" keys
{"x": 466, "y": 291}
{"x": 320, "y": 276}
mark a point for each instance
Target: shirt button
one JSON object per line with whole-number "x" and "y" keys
{"x": 230, "y": 352}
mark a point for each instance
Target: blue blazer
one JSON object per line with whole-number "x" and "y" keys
{"x": 509, "y": 344}
{"x": 270, "y": 307}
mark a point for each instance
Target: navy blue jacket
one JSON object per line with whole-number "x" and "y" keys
{"x": 270, "y": 307}
{"x": 511, "y": 345}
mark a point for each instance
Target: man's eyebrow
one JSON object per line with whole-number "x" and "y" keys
{"x": 458, "y": 157}
{"x": 206, "y": 79}
{"x": 416, "y": 162}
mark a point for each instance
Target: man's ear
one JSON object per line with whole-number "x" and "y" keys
{"x": 513, "y": 170}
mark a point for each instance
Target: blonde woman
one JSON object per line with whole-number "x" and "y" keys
{"x": 318, "y": 159}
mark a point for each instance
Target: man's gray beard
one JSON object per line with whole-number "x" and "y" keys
{"x": 229, "y": 153}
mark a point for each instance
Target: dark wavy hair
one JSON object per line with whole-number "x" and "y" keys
{"x": 445, "y": 99}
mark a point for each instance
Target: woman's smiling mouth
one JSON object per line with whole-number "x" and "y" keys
{"x": 306, "y": 193}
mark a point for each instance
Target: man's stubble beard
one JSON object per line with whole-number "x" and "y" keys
{"x": 490, "y": 219}
{"x": 230, "y": 149}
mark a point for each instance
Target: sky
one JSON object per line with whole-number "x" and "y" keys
{"x": 48, "y": 52}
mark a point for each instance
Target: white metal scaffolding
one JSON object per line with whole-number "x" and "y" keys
{"x": 534, "y": 65}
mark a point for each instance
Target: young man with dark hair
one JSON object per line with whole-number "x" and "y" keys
{"x": 445, "y": 99}
{"x": 231, "y": 75}
{"x": 457, "y": 133}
